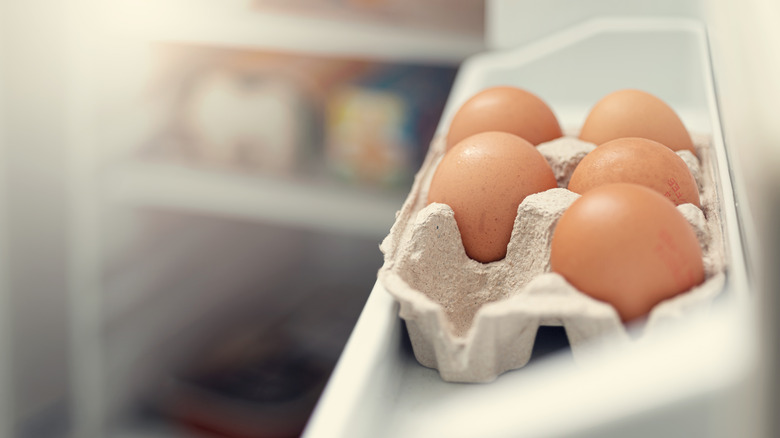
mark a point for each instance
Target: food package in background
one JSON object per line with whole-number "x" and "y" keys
{"x": 377, "y": 128}
{"x": 368, "y": 136}
{"x": 246, "y": 120}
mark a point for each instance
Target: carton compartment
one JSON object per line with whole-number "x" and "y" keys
{"x": 474, "y": 321}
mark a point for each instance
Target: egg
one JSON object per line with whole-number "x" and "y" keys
{"x": 505, "y": 109}
{"x": 640, "y": 161}
{"x": 484, "y": 178}
{"x": 635, "y": 113}
{"x": 626, "y": 245}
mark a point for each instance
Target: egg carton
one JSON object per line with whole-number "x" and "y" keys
{"x": 474, "y": 321}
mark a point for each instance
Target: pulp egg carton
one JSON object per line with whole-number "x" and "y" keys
{"x": 472, "y": 321}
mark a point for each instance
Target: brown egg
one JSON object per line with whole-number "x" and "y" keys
{"x": 505, "y": 109}
{"x": 628, "y": 246}
{"x": 639, "y": 161}
{"x": 484, "y": 178}
{"x": 634, "y": 113}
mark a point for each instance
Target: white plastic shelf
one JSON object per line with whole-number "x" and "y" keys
{"x": 330, "y": 207}
{"x": 678, "y": 383}
{"x": 234, "y": 23}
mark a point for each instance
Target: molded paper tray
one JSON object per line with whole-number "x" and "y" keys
{"x": 378, "y": 388}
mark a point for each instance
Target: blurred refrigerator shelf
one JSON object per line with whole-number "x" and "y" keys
{"x": 239, "y": 25}
{"x": 328, "y": 207}
{"x": 235, "y": 166}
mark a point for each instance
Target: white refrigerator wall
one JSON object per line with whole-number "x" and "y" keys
{"x": 34, "y": 183}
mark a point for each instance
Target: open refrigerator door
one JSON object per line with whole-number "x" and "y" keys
{"x": 697, "y": 378}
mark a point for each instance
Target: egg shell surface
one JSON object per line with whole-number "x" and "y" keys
{"x": 505, "y": 109}
{"x": 626, "y": 245}
{"x": 635, "y": 113}
{"x": 483, "y": 179}
{"x": 640, "y": 161}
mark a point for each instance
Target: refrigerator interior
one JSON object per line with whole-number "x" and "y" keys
{"x": 196, "y": 229}
{"x": 236, "y": 236}
{"x": 171, "y": 267}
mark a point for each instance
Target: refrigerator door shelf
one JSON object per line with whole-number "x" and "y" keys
{"x": 685, "y": 378}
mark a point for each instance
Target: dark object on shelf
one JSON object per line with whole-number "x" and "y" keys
{"x": 258, "y": 387}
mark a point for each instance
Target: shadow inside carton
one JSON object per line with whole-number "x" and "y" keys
{"x": 550, "y": 340}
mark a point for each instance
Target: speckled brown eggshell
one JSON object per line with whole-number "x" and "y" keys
{"x": 639, "y": 161}
{"x": 483, "y": 179}
{"x": 635, "y": 113}
{"x": 504, "y": 109}
{"x": 627, "y": 245}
